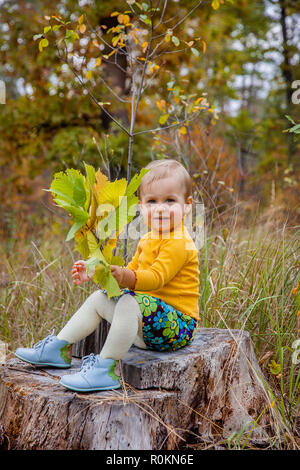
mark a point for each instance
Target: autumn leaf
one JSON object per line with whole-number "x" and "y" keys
{"x": 135, "y": 182}
{"x": 70, "y": 36}
{"x": 175, "y": 40}
{"x": 111, "y": 286}
{"x": 145, "y": 19}
{"x": 126, "y": 20}
{"x": 100, "y": 181}
{"x": 133, "y": 34}
{"x": 112, "y": 192}
{"x": 144, "y": 46}
{"x": 99, "y": 211}
{"x": 198, "y": 100}
{"x": 82, "y": 28}
{"x": 101, "y": 274}
{"x": 69, "y": 187}
{"x": 37, "y": 36}
{"x": 163, "y": 119}
{"x": 153, "y": 67}
{"x": 275, "y": 368}
{"x": 123, "y": 19}
{"x": 195, "y": 52}
{"x": 110, "y": 54}
{"x": 43, "y": 43}
{"x": 161, "y": 104}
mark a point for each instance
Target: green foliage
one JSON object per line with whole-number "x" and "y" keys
{"x": 99, "y": 211}
{"x": 295, "y": 129}
{"x": 275, "y": 368}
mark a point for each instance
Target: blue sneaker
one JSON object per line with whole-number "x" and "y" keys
{"x": 95, "y": 374}
{"x": 50, "y": 351}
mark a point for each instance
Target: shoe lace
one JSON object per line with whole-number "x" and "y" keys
{"x": 88, "y": 362}
{"x": 43, "y": 342}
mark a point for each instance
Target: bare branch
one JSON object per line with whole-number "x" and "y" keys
{"x": 182, "y": 19}
{"x": 165, "y": 51}
{"x": 162, "y": 15}
{"x": 170, "y": 126}
{"x": 100, "y": 37}
{"x": 90, "y": 93}
{"x": 105, "y": 164}
{"x": 111, "y": 90}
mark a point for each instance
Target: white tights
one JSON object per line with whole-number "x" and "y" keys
{"x": 125, "y": 318}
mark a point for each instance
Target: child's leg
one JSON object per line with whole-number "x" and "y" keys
{"x": 88, "y": 317}
{"x": 124, "y": 328}
{"x": 98, "y": 306}
{"x": 97, "y": 372}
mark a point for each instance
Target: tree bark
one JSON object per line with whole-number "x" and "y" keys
{"x": 198, "y": 395}
{"x": 287, "y": 73}
{"x": 92, "y": 343}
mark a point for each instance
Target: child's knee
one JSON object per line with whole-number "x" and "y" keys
{"x": 126, "y": 301}
{"x": 128, "y": 306}
{"x": 97, "y": 297}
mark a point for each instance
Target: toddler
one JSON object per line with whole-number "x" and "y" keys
{"x": 158, "y": 307}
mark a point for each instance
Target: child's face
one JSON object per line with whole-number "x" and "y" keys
{"x": 163, "y": 204}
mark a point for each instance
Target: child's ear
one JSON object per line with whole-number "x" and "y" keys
{"x": 188, "y": 205}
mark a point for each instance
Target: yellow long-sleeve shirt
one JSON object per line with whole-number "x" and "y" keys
{"x": 168, "y": 268}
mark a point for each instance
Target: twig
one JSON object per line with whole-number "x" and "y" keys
{"x": 91, "y": 94}
{"x": 162, "y": 15}
{"x": 168, "y": 127}
{"x": 182, "y": 19}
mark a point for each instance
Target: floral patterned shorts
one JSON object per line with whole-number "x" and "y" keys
{"x": 164, "y": 327}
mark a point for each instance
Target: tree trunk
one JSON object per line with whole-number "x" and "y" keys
{"x": 92, "y": 343}
{"x": 287, "y": 73}
{"x": 199, "y": 395}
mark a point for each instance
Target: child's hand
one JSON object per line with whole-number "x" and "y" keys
{"x": 124, "y": 276}
{"x": 80, "y": 274}
{"x": 117, "y": 273}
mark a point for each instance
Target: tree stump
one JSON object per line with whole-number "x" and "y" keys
{"x": 92, "y": 343}
{"x": 200, "y": 394}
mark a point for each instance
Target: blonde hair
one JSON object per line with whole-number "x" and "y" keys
{"x": 163, "y": 169}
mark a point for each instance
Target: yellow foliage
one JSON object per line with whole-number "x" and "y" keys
{"x": 111, "y": 192}
{"x": 101, "y": 181}
{"x": 89, "y": 74}
{"x": 161, "y": 104}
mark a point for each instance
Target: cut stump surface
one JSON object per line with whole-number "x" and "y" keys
{"x": 202, "y": 393}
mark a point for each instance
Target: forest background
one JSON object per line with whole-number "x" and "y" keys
{"x": 239, "y": 62}
{"x": 247, "y": 65}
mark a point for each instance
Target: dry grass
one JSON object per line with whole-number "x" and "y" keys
{"x": 247, "y": 275}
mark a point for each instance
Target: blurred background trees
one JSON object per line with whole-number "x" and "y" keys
{"x": 245, "y": 64}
